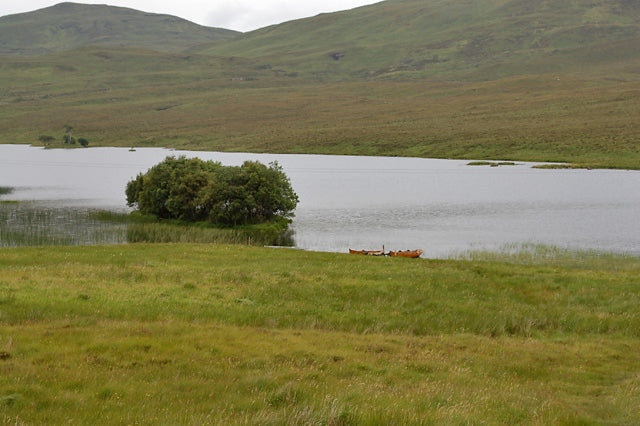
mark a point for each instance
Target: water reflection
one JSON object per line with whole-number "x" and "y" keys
{"x": 441, "y": 206}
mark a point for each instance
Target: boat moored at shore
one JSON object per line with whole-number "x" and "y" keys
{"x": 402, "y": 253}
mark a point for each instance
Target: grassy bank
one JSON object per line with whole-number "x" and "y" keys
{"x": 182, "y": 333}
{"x": 573, "y": 118}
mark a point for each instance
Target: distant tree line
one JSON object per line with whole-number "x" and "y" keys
{"x": 67, "y": 138}
{"x": 193, "y": 190}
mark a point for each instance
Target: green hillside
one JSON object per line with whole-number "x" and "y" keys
{"x": 480, "y": 39}
{"x": 550, "y": 82}
{"x": 70, "y": 25}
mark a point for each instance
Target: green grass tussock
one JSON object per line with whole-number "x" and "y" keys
{"x": 174, "y": 333}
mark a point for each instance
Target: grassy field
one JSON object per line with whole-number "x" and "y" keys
{"x": 567, "y": 118}
{"x": 184, "y": 334}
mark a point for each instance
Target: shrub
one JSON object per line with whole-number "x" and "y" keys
{"x": 46, "y": 139}
{"x": 196, "y": 190}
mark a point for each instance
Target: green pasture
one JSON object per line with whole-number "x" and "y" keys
{"x": 192, "y": 333}
{"x": 130, "y": 98}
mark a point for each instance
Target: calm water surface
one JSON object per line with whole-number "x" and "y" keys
{"x": 441, "y": 206}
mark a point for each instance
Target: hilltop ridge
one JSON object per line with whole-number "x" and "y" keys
{"x": 392, "y": 39}
{"x": 69, "y": 25}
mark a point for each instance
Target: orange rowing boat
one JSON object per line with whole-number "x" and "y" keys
{"x": 403, "y": 253}
{"x": 406, "y": 253}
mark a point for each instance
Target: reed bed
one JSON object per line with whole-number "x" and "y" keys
{"x": 540, "y": 254}
{"x": 172, "y": 233}
{"x": 38, "y": 224}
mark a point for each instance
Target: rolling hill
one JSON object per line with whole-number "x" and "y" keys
{"x": 502, "y": 79}
{"x": 70, "y": 25}
{"x": 469, "y": 39}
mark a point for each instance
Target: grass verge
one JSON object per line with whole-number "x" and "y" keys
{"x": 188, "y": 333}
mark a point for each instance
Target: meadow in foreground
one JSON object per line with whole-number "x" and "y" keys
{"x": 187, "y": 333}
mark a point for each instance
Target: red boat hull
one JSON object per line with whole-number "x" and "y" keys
{"x": 407, "y": 253}
{"x": 367, "y": 252}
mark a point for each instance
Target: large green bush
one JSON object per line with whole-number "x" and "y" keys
{"x": 194, "y": 190}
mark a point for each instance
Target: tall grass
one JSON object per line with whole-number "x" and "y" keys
{"x": 539, "y": 254}
{"x": 294, "y": 289}
{"x": 171, "y": 233}
{"x": 37, "y": 224}
{"x": 221, "y": 334}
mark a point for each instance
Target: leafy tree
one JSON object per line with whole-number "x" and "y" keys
{"x": 168, "y": 189}
{"x": 196, "y": 190}
{"x": 68, "y": 135}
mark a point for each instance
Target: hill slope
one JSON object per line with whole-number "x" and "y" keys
{"x": 482, "y": 39}
{"x": 70, "y": 25}
{"x": 499, "y": 79}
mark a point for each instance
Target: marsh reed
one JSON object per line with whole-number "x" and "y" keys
{"x": 24, "y": 224}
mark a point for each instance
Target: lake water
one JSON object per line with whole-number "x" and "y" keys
{"x": 442, "y": 206}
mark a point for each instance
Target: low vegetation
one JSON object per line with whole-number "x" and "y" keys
{"x": 184, "y": 333}
{"x": 25, "y": 224}
{"x": 491, "y": 163}
{"x": 581, "y": 120}
{"x": 28, "y": 223}
{"x": 179, "y": 232}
